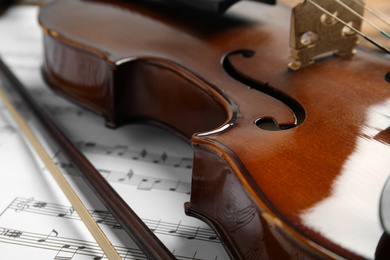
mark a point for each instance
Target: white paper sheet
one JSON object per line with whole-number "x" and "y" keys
{"x": 149, "y": 168}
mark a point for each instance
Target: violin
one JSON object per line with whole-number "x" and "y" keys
{"x": 287, "y": 164}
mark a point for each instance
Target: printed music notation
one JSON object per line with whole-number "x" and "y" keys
{"x": 104, "y": 217}
{"x": 66, "y": 248}
{"x": 142, "y": 182}
{"x": 146, "y": 182}
{"x": 50, "y": 243}
{"x": 143, "y": 155}
{"x": 154, "y": 183}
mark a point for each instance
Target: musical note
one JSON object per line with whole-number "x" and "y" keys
{"x": 127, "y": 254}
{"x": 46, "y": 215}
{"x": 213, "y": 237}
{"x": 97, "y": 215}
{"x": 194, "y": 235}
{"x": 117, "y": 150}
{"x": 128, "y": 176}
{"x": 193, "y": 257}
{"x": 155, "y": 228}
{"x": 175, "y": 188}
{"x": 53, "y": 232}
{"x": 105, "y": 217}
{"x": 117, "y": 225}
{"x": 143, "y": 155}
{"x": 162, "y": 158}
{"x": 67, "y": 252}
{"x": 67, "y": 248}
{"x": 184, "y": 163}
{"x": 146, "y": 184}
{"x": 176, "y": 229}
{"x": 181, "y": 187}
{"x": 69, "y": 212}
{"x": 58, "y": 255}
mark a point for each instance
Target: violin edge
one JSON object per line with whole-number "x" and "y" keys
{"x": 254, "y": 209}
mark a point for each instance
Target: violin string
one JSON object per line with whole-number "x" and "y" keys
{"x": 378, "y": 45}
{"x": 374, "y": 13}
{"x": 363, "y": 18}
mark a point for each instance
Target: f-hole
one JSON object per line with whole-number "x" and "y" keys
{"x": 265, "y": 123}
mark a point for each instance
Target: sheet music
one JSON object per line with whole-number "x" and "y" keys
{"x": 149, "y": 168}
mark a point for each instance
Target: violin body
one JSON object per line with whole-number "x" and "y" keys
{"x": 307, "y": 188}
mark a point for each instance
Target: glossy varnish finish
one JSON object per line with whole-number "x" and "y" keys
{"x": 307, "y": 191}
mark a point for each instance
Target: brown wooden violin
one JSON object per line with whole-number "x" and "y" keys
{"x": 287, "y": 164}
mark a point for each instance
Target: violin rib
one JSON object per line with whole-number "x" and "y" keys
{"x": 129, "y": 220}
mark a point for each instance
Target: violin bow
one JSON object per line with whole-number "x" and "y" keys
{"x": 147, "y": 241}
